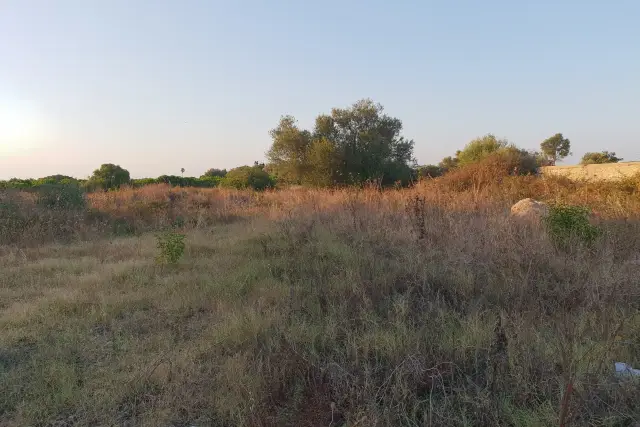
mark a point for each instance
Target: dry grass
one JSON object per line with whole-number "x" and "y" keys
{"x": 421, "y": 307}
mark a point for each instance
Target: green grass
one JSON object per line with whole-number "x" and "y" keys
{"x": 342, "y": 314}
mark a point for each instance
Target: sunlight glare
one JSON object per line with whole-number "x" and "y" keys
{"x": 22, "y": 128}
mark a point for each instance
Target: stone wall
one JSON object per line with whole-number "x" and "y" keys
{"x": 604, "y": 172}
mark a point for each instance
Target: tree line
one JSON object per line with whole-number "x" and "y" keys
{"x": 110, "y": 177}
{"x": 348, "y": 146}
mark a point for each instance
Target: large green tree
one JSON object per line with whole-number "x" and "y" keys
{"x": 555, "y": 148}
{"x": 599, "y": 158}
{"x": 289, "y": 151}
{"x": 348, "y": 146}
{"x": 108, "y": 176}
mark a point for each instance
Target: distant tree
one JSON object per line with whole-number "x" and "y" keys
{"x": 289, "y": 150}
{"x": 524, "y": 162}
{"x": 599, "y": 158}
{"x": 57, "y": 179}
{"x": 17, "y": 183}
{"x": 182, "y": 171}
{"x": 368, "y": 144}
{"x": 243, "y": 177}
{"x": 349, "y": 146}
{"x": 108, "y": 177}
{"x": 555, "y": 148}
{"x": 448, "y": 163}
{"x": 479, "y": 149}
{"x": 429, "y": 171}
{"x": 541, "y": 158}
{"x": 215, "y": 172}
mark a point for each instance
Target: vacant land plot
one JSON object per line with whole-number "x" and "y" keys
{"x": 353, "y": 308}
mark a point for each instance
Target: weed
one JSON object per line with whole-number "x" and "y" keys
{"x": 570, "y": 224}
{"x": 171, "y": 247}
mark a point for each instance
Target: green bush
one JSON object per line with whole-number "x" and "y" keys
{"x": 570, "y": 224}
{"x": 479, "y": 149}
{"x": 61, "y": 196}
{"x": 179, "y": 181}
{"x": 15, "y": 183}
{"x": 253, "y": 177}
{"x": 171, "y": 246}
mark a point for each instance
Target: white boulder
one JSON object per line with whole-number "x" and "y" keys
{"x": 529, "y": 209}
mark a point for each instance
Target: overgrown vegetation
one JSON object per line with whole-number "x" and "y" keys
{"x": 348, "y": 306}
{"x": 365, "y": 307}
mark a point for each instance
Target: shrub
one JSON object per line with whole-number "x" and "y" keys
{"x": 429, "y": 171}
{"x": 600, "y": 158}
{"x": 243, "y": 177}
{"x": 569, "y": 224}
{"x": 141, "y": 182}
{"x": 171, "y": 246}
{"x": 56, "y": 179}
{"x": 61, "y": 196}
{"x": 491, "y": 170}
{"x": 479, "y": 149}
{"x": 208, "y": 181}
{"x": 15, "y": 183}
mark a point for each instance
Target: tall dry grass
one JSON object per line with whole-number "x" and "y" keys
{"x": 421, "y": 307}
{"x": 133, "y": 211}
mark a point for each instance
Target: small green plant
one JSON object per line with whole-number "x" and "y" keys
{"x": 171, "y": 247}
{"x": 570, "y": 224}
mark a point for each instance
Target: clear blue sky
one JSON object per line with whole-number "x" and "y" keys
{"x": 159, "y": 85}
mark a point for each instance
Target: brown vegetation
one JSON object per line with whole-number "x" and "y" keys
{"x": 424, "y": 306}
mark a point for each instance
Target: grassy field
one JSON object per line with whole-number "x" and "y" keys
{"x": 427, "y": 306}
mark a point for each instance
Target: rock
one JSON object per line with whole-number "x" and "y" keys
{"x": 529, "y": 209}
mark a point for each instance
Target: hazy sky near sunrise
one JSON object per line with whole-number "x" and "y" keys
{"x": 159, "y": 85}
